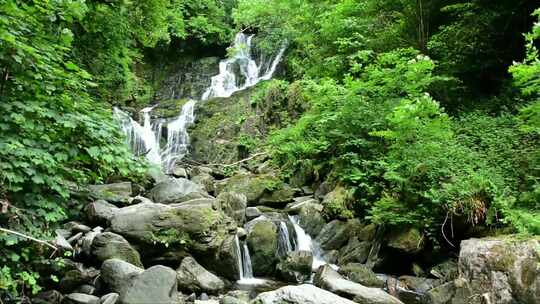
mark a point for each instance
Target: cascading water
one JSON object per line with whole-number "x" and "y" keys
{"x": 284, "y": 241}
{"x": 145, "y": 139}
{"x": 246, "y": 263}
{"x": 239, "y": 255}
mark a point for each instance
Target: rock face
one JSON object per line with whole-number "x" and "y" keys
{"x": 177, "y": 190}
{"x": 296, "y": 267}
{"x": 354, "y": 252}
{"x": 334, "y": 235}
{"x": 330, "y": 280}
{"x": 228, "y": 256}
{"x": 303, "y": 294}
{"x": 192, "y": 277}
{"x": 100, "y": 212}
{"x": 110, "y": 245}
{"x": 262, "y": 241}
{"x": 116, "y": 193}
{"x": 234, "y": 205}
{"x": 499, "y": 271}
{"x": 135, "y": 286}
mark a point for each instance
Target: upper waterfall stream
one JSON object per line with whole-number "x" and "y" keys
{"x": 239, "y": 72}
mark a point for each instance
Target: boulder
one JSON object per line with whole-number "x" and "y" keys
{"x": 252, "y": 212}
{"x": 296, "y": 267}
{"x": 236, "y": 297}
{"x": 337, "y": 203}
{"x": 231, "y": 300}
{"x": 354, "y": 252}
{"x": 299, "y": 202}
{"x": 178, "y": 171}
{"x": 361, "y": 274}
{"x": 446, "y": 271}
{"x": 234, "y": 205}
{"x": 499, "y": 270}
{"x": 206, "y": 180}
{"x": 302, "y": 294}
{"x": 333, "y": 235}
{"x": 110, "y": 298}
{"x": 408, "y": 240}
{"x": 115, "y": 193}
{"x": 310, "y": 218}
{"x": 278, "y": 198}
{"x": 75, "y": 227}
{"x": 442, "y": 294}
{"x": 100, "y": 212}
{"x": 327, "y": 278}
{"x": 177, "y": 190}
{"x": 75, "y": 275}
{"x": 110, "y": 245}
{"x": 47, "y": 297}
{"x": 228, "y": 256}
{"x": 261, "y": 189}
{"x": 192, "y": 277}
{"x": 117, "y": 274}
{"x": 262, "y": 242}
{"x": 80, "y": 298}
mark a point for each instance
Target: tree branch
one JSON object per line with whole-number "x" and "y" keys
{"x": 29, "y": 238}
{"x": 240, "y": 161}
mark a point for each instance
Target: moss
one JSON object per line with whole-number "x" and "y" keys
{"x": 171, "y": 236}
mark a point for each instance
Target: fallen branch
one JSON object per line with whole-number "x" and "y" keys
{"x": 29, "y": 238}
{"x": 240, "y": 161}
{"x": 442, "y": 230}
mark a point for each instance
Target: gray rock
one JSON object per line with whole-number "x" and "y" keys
{"x": 296, "y": 267}
{"x": 310, "y": 218}
{"x": 179, "y": 172}
{"x": 110, "y": 245}
{"x": 446, "y": 271}
{"x": 308, "y": 190}
{"x": 192, "y": 277}
{"x": 327, "y": 278}
{"x": 234, "y": 205}
{"x": 228, "y": 256}
{"x": 157, "y": 284}
{"x": 116, "y": 193}
{"x": 117, "y": 274}
{"x": 418, "y": 284}
{"x": 206, "y": 180}
{"x": 231, "y": 300}
{"x": 262, "y": 241}
{"x": 408, "y": 240}
{"x": 302, "y": 294}
{"x": 75, "y": 227}
{"x": 296, "y": 206}
{"x": 354, "y": 252}
{"x": 499, "y": 270}
{"x": 110, "y": 298}
{"x": 179, "y": 190}
{"x": 76, "y": 275}
{"x": 361, "y": 274}
{"x": 86, "y": 242}
{"x": 86, "y": 289}
{"x": 100, "y": 212}
{"x": 48, "y": 297}
{"x": 62, "y": 243}
{"x": 442, "y": 294}
{"x": 80, "y": 298}
{"x": 252, "y": 212}
{"x": 139, "y": 200}
{"x": 334, "y": 235}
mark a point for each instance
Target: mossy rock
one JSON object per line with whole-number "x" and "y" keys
{"x": 408, "y": 240}
{"x": 262, "y": 241}
{"x": 361, "y": 274}
{"x": 337, "y": 204}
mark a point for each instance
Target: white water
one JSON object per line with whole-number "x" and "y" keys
{"x": 284, "y": 242}
{"x": 246, "y": 263}
{"x": 145, "y": 139}
{"x": 239, "y": 255}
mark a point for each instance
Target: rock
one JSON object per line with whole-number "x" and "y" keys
{"x": 139, "y": 200}
{"x": 206, "y": 180}
{"x": 75, "y": 227}
{"x": 263, "y": 189}
{"x": 367, "y": 233}
{"x": 330, "y": 280}
{"x": 333, "y": 235}
{"x": 48, "y": 297}
{"x": 80, "y": 298}
{"x": 302, "y": 294}
{"x": 192, "y": 277}
{"x": 409, "y": 240}
{"x": 241, "y": 232}
{"x": 262, "y": 243}
{"x": 234, "y": 205}
{"x": 361, "y": 274}
{"x": 296, "y": 206}
{"x": 446, "y": 271}
{"x": 110, "y": 298}
{"x": 115, "y": 193}
{"x": 62, "y": 243}
{"x": 337, "y": 203}
{"x": 75, "y": 276}
{"x": 100, "y": 212}
{"x": 87, "y": 289}
{"x": 157, "y": 284}
{"x": 228, "y": 256}
{"x": 204, "y": 297}
{"x": 231, "y": 300}
{"x": 442, "y": 294}
{"x": 499, "y": 270}
{"x": 72, "y": 240}
{"x": 354, "y": 252}
{"x": 418, "y": 284}
{"x": 308, "y": 190}
{"x": 117, "y": 274}
{"x": 235, "y": 297}
{"x": 86, "y": 242}
{"x": 178, "y": 190}
{"x": 296, "y": 267}
{"x": 278, "y": 198}
{"x": 179, "y": 172}
{"x": 310, "y": 218}
{"x": 252, "y": 212}
{"x": 323, "y": 189}
{"x": 110, "y": 245}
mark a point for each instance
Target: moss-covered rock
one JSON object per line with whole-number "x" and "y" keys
{"x": 262, "y": 241}
{"x": 296, "y": 267}
{"x": 361, "y": 274}
{"x": 259, "y": 189}
{"x": 337, "y": 204}
{"x": 110, "y": 245}
{"x": 408, "y": 240}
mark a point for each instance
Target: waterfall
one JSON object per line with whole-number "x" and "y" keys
{"x": 305, "y": 243}
{"x": 284, "y": 241}
{"x": 145, "y": 139}
{"x": 239, "y": 260}
{"x": 247, "y": 269}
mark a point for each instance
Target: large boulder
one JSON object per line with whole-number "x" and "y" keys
{"x": 195, "y": 225}
{"x": 110, "y": 245}
{"x": 408, "y": 240}
{"x": 262, "y": 189}
{"x": 310, "y": 218}
{"x": 303, "y": 294}
{"x": 229, "y": 255}
{"x": 296, "y": 267}
{"x": 337, "y": 203}
{"x": 499, "y": 270}
{"x": 334, "y": 235}
{"x": 100, "y": 212}
{"x": 234, "y": 205}
{"x": 80, "y": 298}
{"x": 262, "y": 242}
{"x": 157, "y": 284}
{"x": 192, "y": 277}
{"x": 327, "y": 278}
{"x": 116, "y": 193}
{"x": 206, "y": 180}
{"x": 361, "y": 274}
{"x": 355, "y": 251}
{"x": 177, "y": 190}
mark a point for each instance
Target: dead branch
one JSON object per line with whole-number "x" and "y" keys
{"x": 240, "y": 161}
{"x": 29, "y": 238}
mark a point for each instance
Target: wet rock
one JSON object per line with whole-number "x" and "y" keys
{"x": 110, "y": 298}
{"x": 62, "y": 243}
{"x": 252, "y": 212}
{"x": 86, "y": 242}
{"x": 409, "y": 240}
{"x": 115, "y": 193}
{"x": 228, "y": 256}
{"x": 278, "y": 198}
{"x": 75, "y": 227}
{"x": 139, "y": 200}
{"x": 110, "y": 245}
{"x": 206, "y": 180}
{"x": 333, "y": 235}
{"x": 100, "y": 212}
{"x": 117, "y": 274}
{"x": 192, "y": 277}
{"x": 442, "y": 294}
{"x": 310, "y": 218}
{"x": 302, "y": 294}
{"x": 327, "y": 278}
{"x": 262, "y": 241}
{"x": 296, "y": 267}
{"x": 418, "y": 284}
{"x": 80, "y": 298}
{"x": 231, "y": 300}
{"x": 178, "y": 190}
{"x": 75, "y": 276}
{"x": 234, "y": 205}
{"x": 499, "y": 270}
{"x": 48, "y": 297}
{"x": 235, "y": 297}
{"x": 446, "y": 271}
{"x": 179, "y": 172}
{"x": 354, "y": 252}
{"x": 361, "y": 274}
{"x": 299, "y": 202}
{"x": 86, "y": 288}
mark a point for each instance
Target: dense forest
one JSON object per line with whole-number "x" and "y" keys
{"x": 422, "y": 114}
